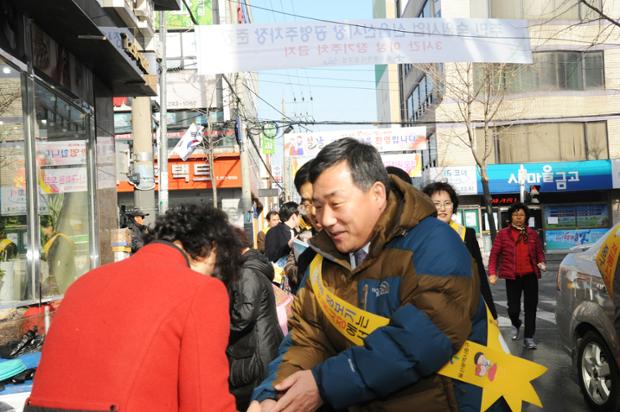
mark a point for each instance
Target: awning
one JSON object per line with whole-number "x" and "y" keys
{"x": 167, "y": 4}
{"x": 73, "y": 29}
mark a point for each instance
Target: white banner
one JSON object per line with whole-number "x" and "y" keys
{"x": 397, "y": 139}
{"x": 410, "y": 163}
{"x": 63, "y": 180}
{"x": 463, "y": 179}
{"x": 191, "y": 138}
{"x": 227, "y": 48}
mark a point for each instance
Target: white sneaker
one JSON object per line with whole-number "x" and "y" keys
{"x": 529, "y": 343}
{"x": 515, "y": 333}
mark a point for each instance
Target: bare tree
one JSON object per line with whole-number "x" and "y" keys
{"x": 599, "y": 12}
{"x": 474, "y": 97}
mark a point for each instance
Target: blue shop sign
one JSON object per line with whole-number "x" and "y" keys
{"x": 551, "y": 176}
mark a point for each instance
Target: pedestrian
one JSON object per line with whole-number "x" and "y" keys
{"x": 255, "y": 333}
{"x": 272, "y": 219}
{"x": 397, "y": 171}
{"x": 148, "y": 333}
{"x": 304, "y": 189}
{"x": 518, "y": 257}
{"x": 381, "y": 252}
{"x": 8, "y": 248}
{"x": 59, "y": 253}
{"x": 135, "y": 223}
{"x": 446, "y": 202}
{"x": 279, "y": 239}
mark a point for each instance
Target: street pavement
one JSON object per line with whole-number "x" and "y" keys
{"x": 558, "y": 388}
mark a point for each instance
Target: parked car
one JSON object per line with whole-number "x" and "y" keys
{"x": 585, "y": 319}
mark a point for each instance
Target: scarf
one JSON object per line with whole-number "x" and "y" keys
{"x": 522, "y": 233}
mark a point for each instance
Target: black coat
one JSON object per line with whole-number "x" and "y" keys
{"x": 254, "y": 330}
{"x": 276, "y": 242}
{"x": 474, "y": 251}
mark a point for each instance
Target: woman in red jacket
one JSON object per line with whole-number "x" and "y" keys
{"x": 517, "y": 256}
{"x": 148, "y": 333}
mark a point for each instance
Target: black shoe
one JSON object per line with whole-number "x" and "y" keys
{"x": 515, "y": 332}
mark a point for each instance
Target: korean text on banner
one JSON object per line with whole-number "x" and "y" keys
{"x": 368, "y": 41}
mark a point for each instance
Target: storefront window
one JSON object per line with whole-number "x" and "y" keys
{"x": 62, "y": 131}
{"x": 13, "y": 205}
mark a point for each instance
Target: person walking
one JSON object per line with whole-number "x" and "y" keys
{"x": 148, "y": 333}
{"x": 255, "y": 333}
{"x": 446, "y": 202}
{"x": 517, "y": 256}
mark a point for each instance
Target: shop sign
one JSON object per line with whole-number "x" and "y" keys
{"x": 410, "y": 162}
{"x": 566, "y": 239}
{"x": 63, "y": 180}
{"x": 462, "y": 178}
{"x": 397, "y": 139}
{"x": 504, "y": 200}
{"x": 131, "y": 47}
{"x": 195, "y": 173}
{"x": 551, "y": 176}
{"x": 64, "y": 153}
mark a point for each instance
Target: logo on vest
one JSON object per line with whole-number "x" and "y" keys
{"x": 382, "y": 289}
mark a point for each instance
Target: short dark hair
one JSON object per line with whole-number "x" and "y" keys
{"x": 398, "y": 172}
{"x": 518, "y": 206}
{"x": 302, "y": 176}
{"x": 363, "y": 160}
{"x": 200, "y": 228}
{"x": 435, "y": 187}
{"x": 269, "y": 214}
{"x": 287, "y": 210}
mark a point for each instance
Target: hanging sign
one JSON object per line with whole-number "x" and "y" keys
{"x": 368, "y": 41}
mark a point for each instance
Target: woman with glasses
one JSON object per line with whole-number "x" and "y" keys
{"x": 517, "y": 256}
{"x": 446, "y": 202}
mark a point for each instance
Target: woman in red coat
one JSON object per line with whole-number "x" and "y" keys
{"x": 517, "y": 256}
{"x": 148, "y": 333}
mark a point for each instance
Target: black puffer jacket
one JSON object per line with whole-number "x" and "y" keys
{"x": 254, "y": 330}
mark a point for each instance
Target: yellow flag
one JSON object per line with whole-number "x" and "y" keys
{"x": 607, "y": 258}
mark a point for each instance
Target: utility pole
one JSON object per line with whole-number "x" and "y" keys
{"x": 211, "y": 164}
{"x": 144, "y": 193}
{"x": 522, "y": 178}
{"x": 162, "y": 160}
{"x": 246, "y": 192}
{"x": 219, "y": 89}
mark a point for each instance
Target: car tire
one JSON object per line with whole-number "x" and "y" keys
{"x": 598, "y": 374}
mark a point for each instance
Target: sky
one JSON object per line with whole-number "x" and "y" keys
{"x": 345, "y": 93}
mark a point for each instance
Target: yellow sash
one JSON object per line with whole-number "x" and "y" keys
{"x": 459, "y": 229}
{"x": 498, "y": 373}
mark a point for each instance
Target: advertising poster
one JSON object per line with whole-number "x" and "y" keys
{"x": 566, "y": 239}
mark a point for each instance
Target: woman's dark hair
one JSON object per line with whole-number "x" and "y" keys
{"x": 363, "y": 160}
{"x": 287, "y": 210}
{"x": 435, "y": 187}
{"x": 243, "y": 237}
{"x": 269, "y": 214}
{"x": 302, "y": 176}
{"x": 200, "y": 228}
{"x": 518, "y": 206}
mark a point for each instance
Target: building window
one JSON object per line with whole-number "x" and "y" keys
{"x": 431, "y": 8}
{"x": 13, "y": 200}
{"x": 62, "y": 134}
{"x": 559, "y": 70}
{"x": 181, "y": 50}
{"x": 536, "y": 9}
{"x": 420, "y": 98}
{"x": 552, "y": 142}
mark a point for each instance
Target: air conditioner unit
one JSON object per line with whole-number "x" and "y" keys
{"x": 144, "y": 9}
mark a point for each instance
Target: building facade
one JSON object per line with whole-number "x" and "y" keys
{"x": 557, "y": 117}
{"x": 61, "y": 63}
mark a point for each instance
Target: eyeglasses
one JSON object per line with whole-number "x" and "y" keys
{"x": 443, "y": 205}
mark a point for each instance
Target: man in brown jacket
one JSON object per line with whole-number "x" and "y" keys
{"x": 383, "y": 254}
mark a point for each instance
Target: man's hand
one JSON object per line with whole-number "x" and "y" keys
{"x": 300, "y": 394}
{"x": 492, "y": 279}
{"x": 264, "y": 406}
{"x": 542, "y": 266}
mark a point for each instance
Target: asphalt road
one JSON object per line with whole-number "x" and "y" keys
{"x": 557, "y": 388}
